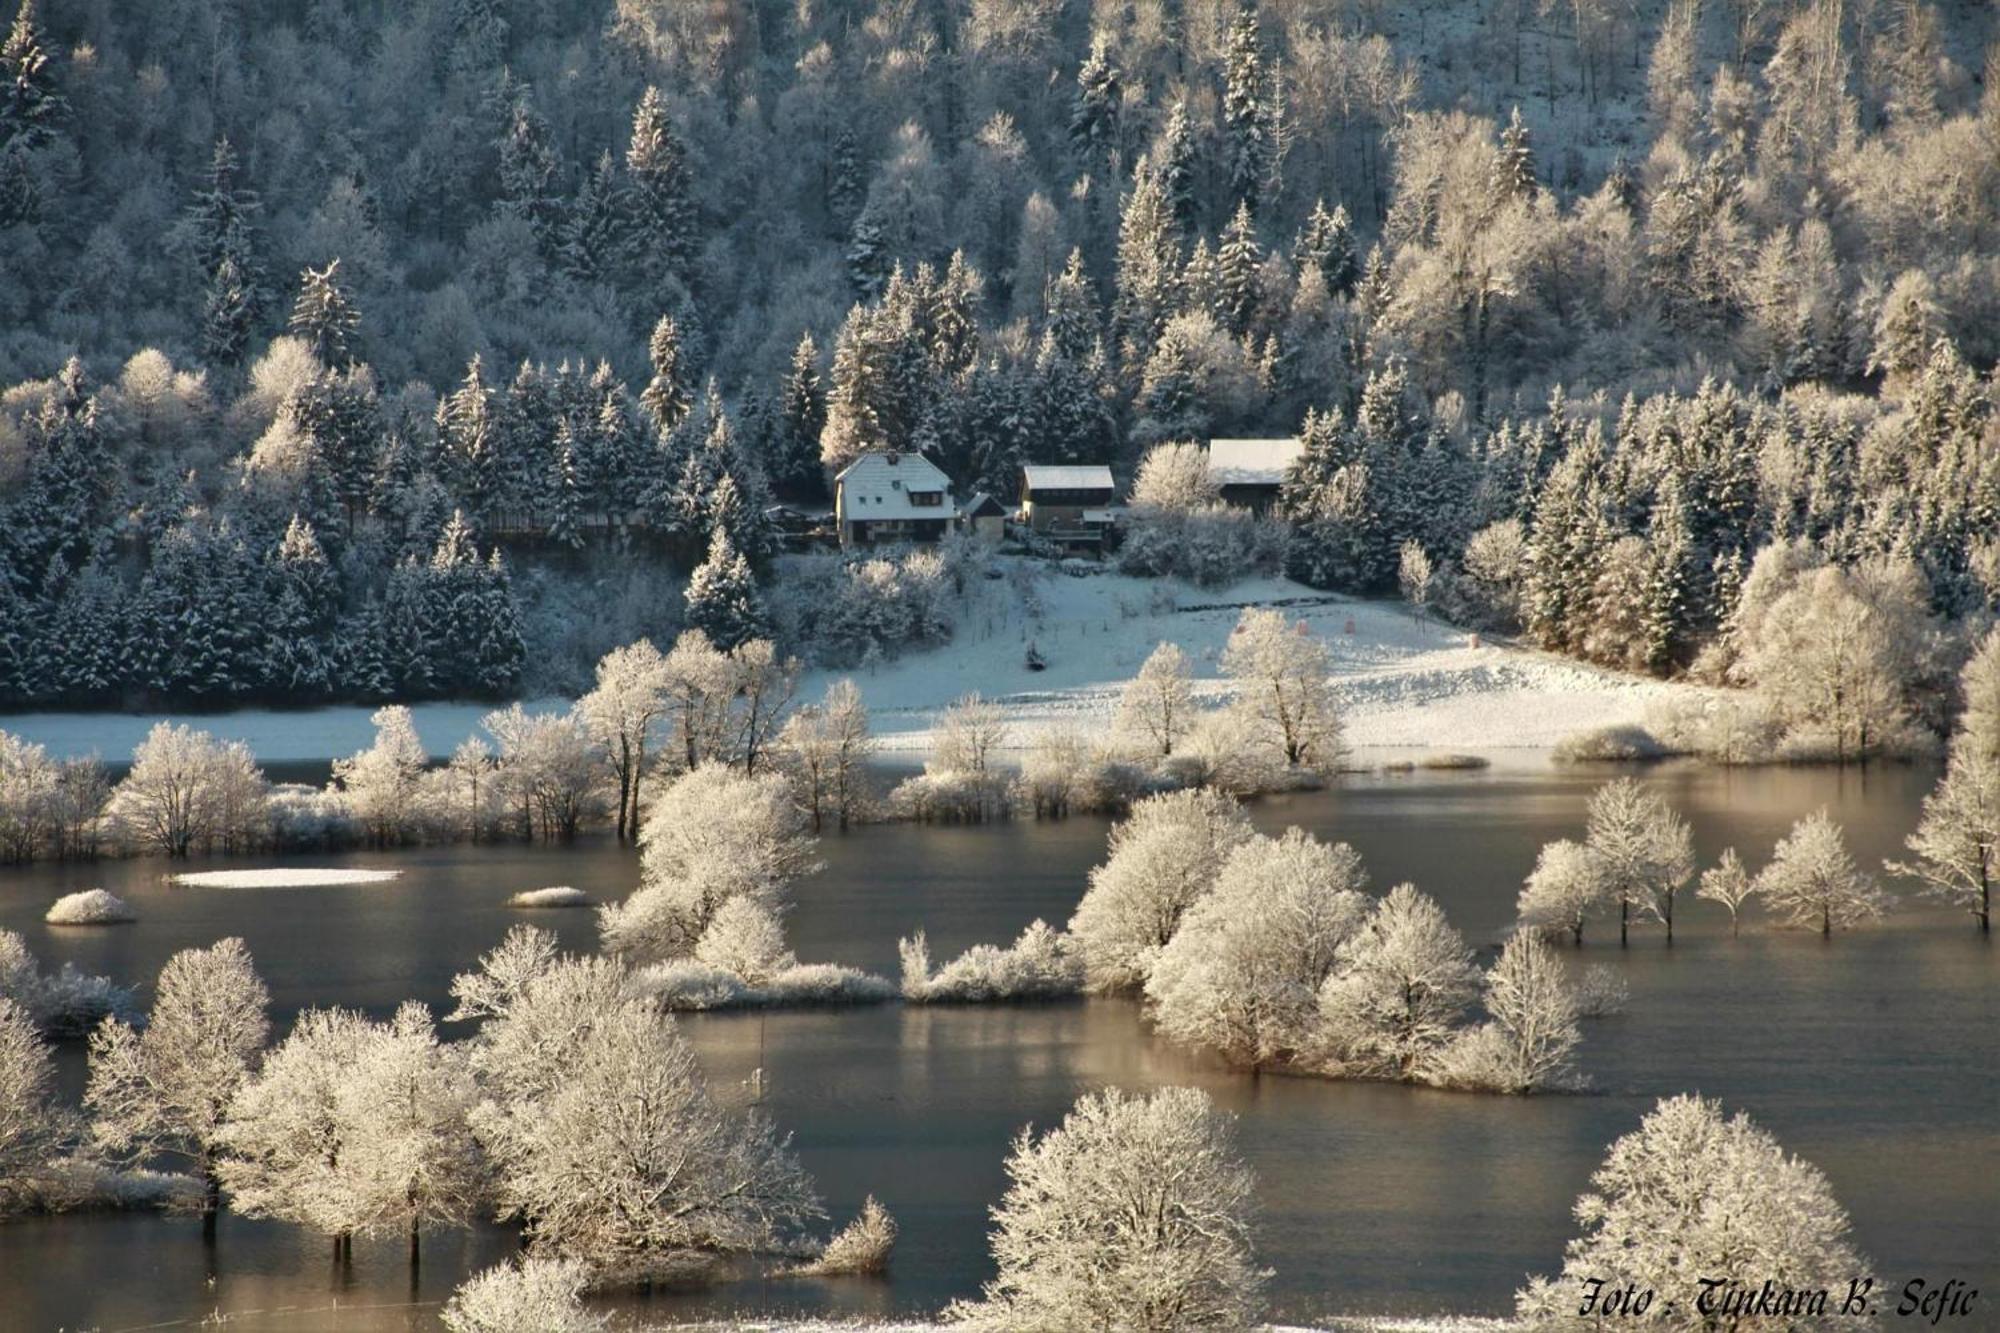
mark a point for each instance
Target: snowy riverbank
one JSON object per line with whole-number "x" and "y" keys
{"x": 1405, "y": 684}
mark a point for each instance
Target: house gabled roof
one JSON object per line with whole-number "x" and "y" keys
{"x": 1067, "y": 477}
{"x": 1252, "y": 462}
{"x": 983, "y": 505}
{"x": 878, "y": 486}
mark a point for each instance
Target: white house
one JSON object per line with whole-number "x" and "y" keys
{"x": 1249, "y": 472}
{"x": 892, "y": 497}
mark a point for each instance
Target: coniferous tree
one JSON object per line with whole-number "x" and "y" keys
{"x": 659, "y": 215}
{"x": 1238, "y": 263}
{"x": 1177, "y": 167}
{"x": 221, "y": 224}
{"x": 669, "y": 394}
{"x": 801, "y": 416}
{"x": 1327, "y": 244}
{"x": 325, "y": 316}
{"x": 531, "y": 173}
{"x": 1093, "y": 121}
{"x": 1513, "y": 175}
{"x": 1246, "y": 122}
{"x": 722, "y": 598}
{"x": 32, "y": 104}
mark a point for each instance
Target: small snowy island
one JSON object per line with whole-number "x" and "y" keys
{"x": 281, "y": 877}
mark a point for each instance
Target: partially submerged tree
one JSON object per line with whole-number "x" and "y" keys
{"x": 30, "y": 1126}
{"x": 1242, "y": 975}
{"x": 624, "y": 714}
{"x": 1400, "y": 987}
{"x": 1669, "y": 1209}
{"x": 715, "y": 834}
{"x": 1642, "y": 848}
{"x": 1134, "y": 1213}
{"x": 1530, "y": 1034}
{"x": 1565, "y": 887}
{"x": 825, "y": 747}
{"x": 1159, "y": 861}
{"x": 1812, "y": 882}
{"x": 1728, "y": 882}
{"x": 167, "y": 1089}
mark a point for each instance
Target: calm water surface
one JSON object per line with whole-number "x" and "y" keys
{"x": 1876, "y": 1057}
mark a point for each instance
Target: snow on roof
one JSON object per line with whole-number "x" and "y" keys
{"x": 1251, "y": 462}
{"x": 1082, "y": 477}
{"x": 983, "y": 505}
{"x": 879, "y": 486}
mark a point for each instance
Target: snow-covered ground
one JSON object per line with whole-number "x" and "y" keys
{"x": 1406, "y": 684}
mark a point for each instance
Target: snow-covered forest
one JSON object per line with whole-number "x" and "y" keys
{"x": 366, "y": 353}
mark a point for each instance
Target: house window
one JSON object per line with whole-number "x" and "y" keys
{"x": 927, "y": 499}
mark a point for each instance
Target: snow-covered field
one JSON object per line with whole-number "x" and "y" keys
{"x": 281, "y": 877}
{"x": 1405, "y": 683}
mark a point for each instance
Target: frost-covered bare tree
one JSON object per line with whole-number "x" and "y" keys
{"x": 1729, "y": 883}
{"x": 1643, "y": 850}
{"x": 1812, "y": 882}
{"x": 699, "y": 687}
{"x": 712, "y": 835}
{"x": 382, "y": 781}
{"x": 1159, "y": 861}
{"x": 1566, "y": 886}
{"x": 1667, "y": 1211}
{"x": 285, "y": 1143}
{"x": 1281, "y": 674}
{"x": 1530, "y": 1033}
{"x": 1157, "y": 705}
{"x": 624, "y": 713}
{"x": 549, "y": 768}
{"x": 1401, "y": 985}
{"x": 412, "y": 1154}
{"x": 825, "y": 749}
{"x": 31, "y": 1128}
{"x": 629, "y": 1166}
{"x": 603, "y": 1137}
{"x": 167, "y": 1088}
{"x": 1134, "y": 1213}
{"x": 187, "y": 790}
{"x": 1242, "y": 974}
{"x": 1957, "y": 841}
{"x": 536, "y": 1295}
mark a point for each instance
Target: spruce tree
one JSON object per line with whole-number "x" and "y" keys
{"x": 227, "y": 314}
{"x": 1327, "y": 244}
{"x": 1513, "y": 175}
{"x": 325, "y": 316}
{"x": 566, "y": 492}
{"x": 589, "y": 238}
{"x": 659, "y": 212}
{"x": 531, "y": 173}
{"x": 221, "y": 224}
{"x": 1177, "y": 167}
{"x": 1149, "y": 266}
{"x": 669, "y": 394}
{"x": 32, "y": 104}
{"x": 794, "y": 457}
{"x": 1238, "y": 265}
{"x": 1245, "y": 119}
{"x": 722, "y": 598}
{"x": 1093, "y": 121}
{"x": 467, "y": 445}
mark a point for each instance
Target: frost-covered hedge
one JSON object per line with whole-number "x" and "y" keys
{"x": 687, "y": 985}
{"x": 92, "y": 907}
{"x": 69, "y": 1003}
{"x": 1042, "y": 964}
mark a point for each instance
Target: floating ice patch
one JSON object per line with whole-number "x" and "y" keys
{"x": 280, "y": 877}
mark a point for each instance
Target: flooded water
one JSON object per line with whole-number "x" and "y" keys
{"x": 1876, "y": 1056}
